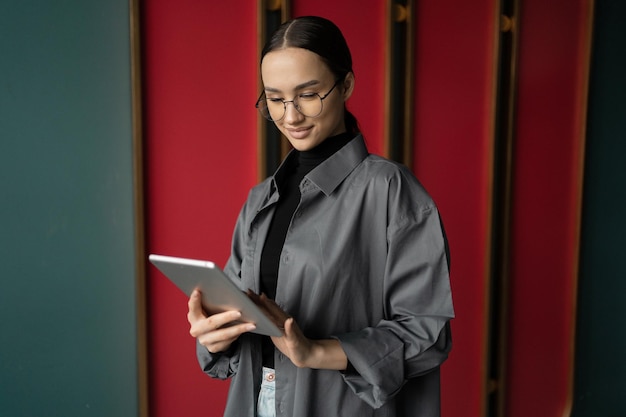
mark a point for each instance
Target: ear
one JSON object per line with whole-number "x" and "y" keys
{"x": 348, "y": 86}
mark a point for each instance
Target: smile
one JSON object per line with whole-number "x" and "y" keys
{"x": 299, "y": 133}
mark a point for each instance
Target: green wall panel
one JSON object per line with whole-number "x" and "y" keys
{"x": 600, "y": 373}
{"x": 67, "y": 287}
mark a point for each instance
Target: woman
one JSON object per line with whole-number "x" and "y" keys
{"x": 348, "y": 251}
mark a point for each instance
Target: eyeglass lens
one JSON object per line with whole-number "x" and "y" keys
{"x": 309, "y": 105}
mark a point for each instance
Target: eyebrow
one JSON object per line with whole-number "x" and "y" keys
{"x": 298, "y": 87}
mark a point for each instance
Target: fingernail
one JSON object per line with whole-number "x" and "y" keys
{"x": 250, "y": 327}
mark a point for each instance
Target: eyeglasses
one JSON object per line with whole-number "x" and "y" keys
{"x": 307, "y": 104}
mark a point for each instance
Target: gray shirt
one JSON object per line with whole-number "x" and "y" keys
{"x": 365, "y": 262}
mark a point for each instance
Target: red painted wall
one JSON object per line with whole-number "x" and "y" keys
{"x": 454, "y": 93}
{"x": 547, "y": 185}
{"x": 200, "y": 87}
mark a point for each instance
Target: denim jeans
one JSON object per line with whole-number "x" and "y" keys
{"x": 266, "y": 406}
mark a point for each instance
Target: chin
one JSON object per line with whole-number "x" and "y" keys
{"x": 304, "y": 144}
{"x": 301, "y": 145}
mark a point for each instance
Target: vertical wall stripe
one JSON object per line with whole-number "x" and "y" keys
{"x": 506, "y": 51}
{"x": 585, "y": 42}
{"x": 139, "y": 206}
{"x": 546, "y": 211}
{"x": 272, "y": 145}
{"x": 399, "y": 80}
{"x": 456, "y": 51}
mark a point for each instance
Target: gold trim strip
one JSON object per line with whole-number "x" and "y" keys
{"x": 583, "y": 103}
{"x": 260, "y": 126}
{"x": 138, "y": 197}
{"x": 502, "y": 130}
{"x": 396, "y": 13}
{"x": 389, "y": 19}
{"x": 263, "y": 8}
{"x": 505, "y": 226}
{"x": 285, "y": 146}
{"x": 490, "y": 385}
{"x": 409, "y": 83}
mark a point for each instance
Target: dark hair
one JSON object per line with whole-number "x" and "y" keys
{"x": 322, "y": 37}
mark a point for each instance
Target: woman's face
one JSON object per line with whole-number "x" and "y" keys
{"x": 291, "y": 72}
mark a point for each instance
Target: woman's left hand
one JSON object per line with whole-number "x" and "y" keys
{"x": 302, "y": 351}
{"x": 293, "y": 343}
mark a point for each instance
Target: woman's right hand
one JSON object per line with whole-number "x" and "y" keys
{"x": 209, "y": 328}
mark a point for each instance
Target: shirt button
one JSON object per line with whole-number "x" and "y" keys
{"x": 270, "y": 377}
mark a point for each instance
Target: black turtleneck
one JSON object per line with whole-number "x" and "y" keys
{"x": 289, "y": 198}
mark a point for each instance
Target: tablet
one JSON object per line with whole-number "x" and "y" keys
{"x": 219, "y": 293}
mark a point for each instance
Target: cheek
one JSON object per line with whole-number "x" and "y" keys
{"x": 281, "y": 127}
{"x": 334, "y": 116}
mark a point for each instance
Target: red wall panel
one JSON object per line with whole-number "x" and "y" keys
{"x": 455, "y": 73}
{"x": 200, "y": 74}
{"x": 553, "y": 58}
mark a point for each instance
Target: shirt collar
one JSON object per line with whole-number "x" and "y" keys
{"x": 330, "y": 173}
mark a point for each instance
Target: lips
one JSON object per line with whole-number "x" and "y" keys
{"x": 299, "y": 133}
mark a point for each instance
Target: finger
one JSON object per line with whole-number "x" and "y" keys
{"x": 289, "y": 325}
{"x": 194, "y": 304}
{"x": 274, "y": 309}
{"x": 254, "y": 297}
{"x": 276, "y": 318}
{"x": 217, "y": 347}
{"x": 214, "y": 322}
{"x": 269, "y": 308}
{"x": 226, "y": 334}
{"x": 291, "y": 329}
{"x": 221, "y": 339}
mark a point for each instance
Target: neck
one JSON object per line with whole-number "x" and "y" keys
{"x": 325, "y": 149}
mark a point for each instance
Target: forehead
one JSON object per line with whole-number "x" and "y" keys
{"x": 286, "y": 68}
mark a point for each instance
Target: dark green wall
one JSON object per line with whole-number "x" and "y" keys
{"x": 601, "y": 346}
{"x": 67, "y": 287}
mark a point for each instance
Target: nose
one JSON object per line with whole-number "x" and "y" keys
{"x": 292, "y": 115}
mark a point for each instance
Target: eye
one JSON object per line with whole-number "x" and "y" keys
{"x": 307, "y": 96}
{"x": 275, "y": 100}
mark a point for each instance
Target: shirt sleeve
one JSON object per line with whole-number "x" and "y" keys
{"x": 414, "y": 337}
{"x": 223, "y": 365}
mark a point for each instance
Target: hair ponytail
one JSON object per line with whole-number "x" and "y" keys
{"x": 352, "y": 124}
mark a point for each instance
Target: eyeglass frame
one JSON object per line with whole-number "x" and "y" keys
{"x": 294, "y": 104}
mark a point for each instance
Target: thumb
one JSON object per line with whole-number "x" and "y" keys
{"x": 194, "y": 304}
{"x": 289, "y": 326}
